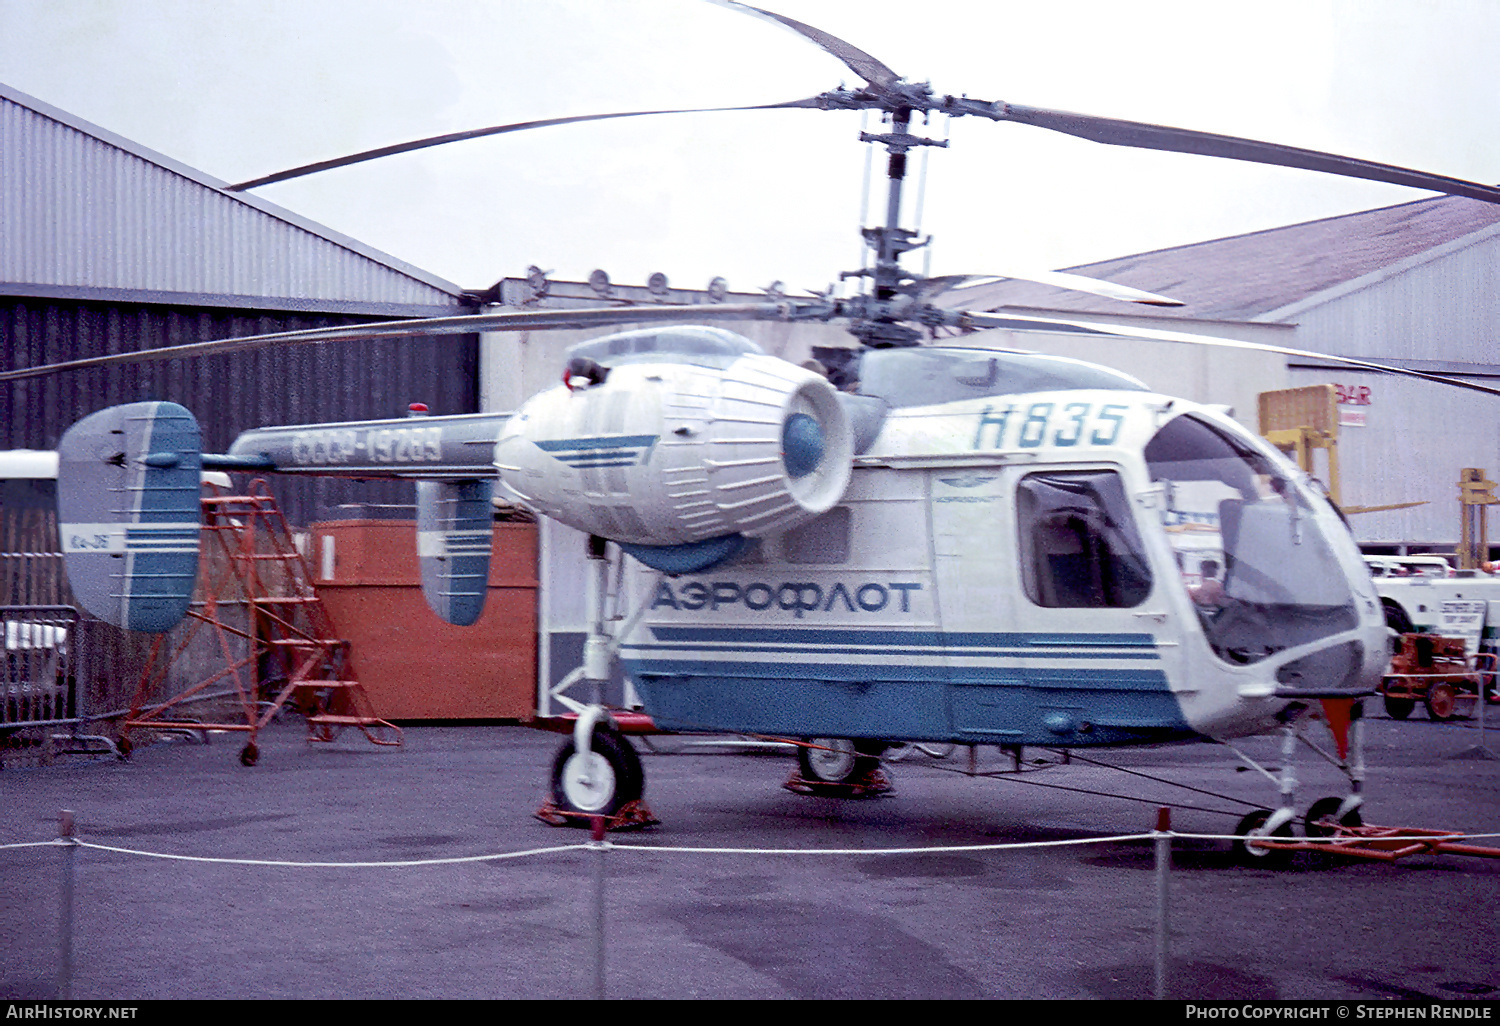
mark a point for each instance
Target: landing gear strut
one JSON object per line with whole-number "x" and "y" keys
{"x": 1345, "y": 719}
{"x": 596, "y": 772}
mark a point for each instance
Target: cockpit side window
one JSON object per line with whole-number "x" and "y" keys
{"x": 1079, "y": 547}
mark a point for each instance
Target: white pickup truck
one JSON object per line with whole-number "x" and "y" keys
{"x": 1414, "y": 588}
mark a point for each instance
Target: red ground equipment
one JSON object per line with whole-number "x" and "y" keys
{"x": 1435, "y": 671}
{"x": 276, "y": 640}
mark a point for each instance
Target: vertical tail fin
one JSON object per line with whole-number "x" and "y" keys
{"x": 129, "y": 513}
{"x": 455, "y": 525}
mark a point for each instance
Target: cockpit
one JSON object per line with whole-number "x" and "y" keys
{"x": 1255, "y": 559}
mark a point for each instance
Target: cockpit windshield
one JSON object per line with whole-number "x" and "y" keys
{"x": 1257, "y": 563}
{"x": 705, "y": 347}
{"x": 927, "y": 376}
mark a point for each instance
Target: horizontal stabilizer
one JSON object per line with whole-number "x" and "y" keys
{"x": 129, "y": 513}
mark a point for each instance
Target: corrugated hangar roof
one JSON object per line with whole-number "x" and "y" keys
{"x": 1246, "y": 277}
{"x": 88, "y": 214}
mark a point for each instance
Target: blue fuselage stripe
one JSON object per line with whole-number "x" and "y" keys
{"x": 618, "y": 442}
{"x": 966, "y": 653}
{"x": 1126, "y": 678}
{"x": 859, "y": 639}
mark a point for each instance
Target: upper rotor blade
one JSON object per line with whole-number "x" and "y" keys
{"x": 478, "y": 133}
{"x": 855, "y": 59}
{"x": 1114, "y": 132}
{"x": 930, "y": 288}
{"x": 988, "y": 320}
{"x": 463, "y": 325}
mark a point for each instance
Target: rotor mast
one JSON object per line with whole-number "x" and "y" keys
{"x": 878, "y": 326}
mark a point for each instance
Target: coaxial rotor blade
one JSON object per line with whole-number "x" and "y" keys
{"x": 1118, "y": 132}
{"x": 1350, "y": 511}
{"x": 462, "y": 325}
{"x": 1114, "y": 132}
{"x": 988, "y": 320}
{"x": 855, "y": 59}
{"x": 930, "y": 288}
{"x": 478, "y": 133}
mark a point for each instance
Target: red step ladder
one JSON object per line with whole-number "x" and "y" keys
{"x": 276, "y": 640}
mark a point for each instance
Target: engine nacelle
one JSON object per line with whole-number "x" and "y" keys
{"x": 665, "y": 452}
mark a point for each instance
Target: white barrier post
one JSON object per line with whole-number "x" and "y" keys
{"x": 1163, "y": 842}
{"x": 65, "y": 907}
{"x": 599, "y": 849}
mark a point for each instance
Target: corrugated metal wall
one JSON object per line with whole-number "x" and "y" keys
{"x": 1445, "y": 309}
{"x": 1417, "y": 436}
{"x": 83, "y": 208}
{"x": 107, "y": 247}
{"x": 229, "y": 393}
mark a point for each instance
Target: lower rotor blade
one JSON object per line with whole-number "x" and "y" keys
{"x": 987, "y": 320}
{"x": 463, "y": 325}
{"x": 1057, "y": 279}
{"x": 1350, "y": 511}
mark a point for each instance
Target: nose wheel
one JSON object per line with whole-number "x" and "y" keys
{"x": 1325, "y": 816}
{"x": 1253, "y": 826}
{"x": 1325, "y": 811}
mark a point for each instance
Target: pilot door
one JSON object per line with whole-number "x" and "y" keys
{"x": 1052, "y": 608}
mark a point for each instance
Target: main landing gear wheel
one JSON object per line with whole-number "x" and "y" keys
{"x": 1247, "y": 854}
{"x": 1399, "y": 708}
{"x": 1442, "y": 700}
{"x": 1327, "y": 808}
{"x": 601, "y": 783}
{"x": 836, "y": 760}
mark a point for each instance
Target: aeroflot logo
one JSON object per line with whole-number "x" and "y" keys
{"x": 796, "y": 599}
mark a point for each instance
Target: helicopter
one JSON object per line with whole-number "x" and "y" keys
{"x": 909, "y": 542}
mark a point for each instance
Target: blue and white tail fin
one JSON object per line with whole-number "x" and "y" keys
{"x": 129, "y": 513}
{"x": 455, "y": 526}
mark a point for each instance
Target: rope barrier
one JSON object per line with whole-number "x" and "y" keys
{"x": 402, "y": 864}
{"x": 700, "y": 850}
{"x": 884, "y": 851}
{"x": 1162, "y": 836}
{"x": 55, "y": 842}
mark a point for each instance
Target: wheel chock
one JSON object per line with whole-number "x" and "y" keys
{"x": 636, "y": 815}
{"x": 874, "y": 784}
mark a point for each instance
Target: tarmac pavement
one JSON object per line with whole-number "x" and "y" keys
{"x": 1042, "y": 922}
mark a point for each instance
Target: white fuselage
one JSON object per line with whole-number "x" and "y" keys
{"x": 915, "y": 607}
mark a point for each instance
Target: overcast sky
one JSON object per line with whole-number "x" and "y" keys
{"x": 240, "y": 88}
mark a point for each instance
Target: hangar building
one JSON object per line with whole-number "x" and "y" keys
{"x": 109, "y": 247}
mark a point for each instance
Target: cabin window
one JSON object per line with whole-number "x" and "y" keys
{"x": 823, "y": 540}
{"x": 1079, "y": 546}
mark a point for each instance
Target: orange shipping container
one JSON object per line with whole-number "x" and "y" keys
{"x": 413, "y": 665}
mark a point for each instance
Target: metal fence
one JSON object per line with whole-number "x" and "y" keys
{"x": 62, "y": 667}
{"x": 39, "y": 679}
